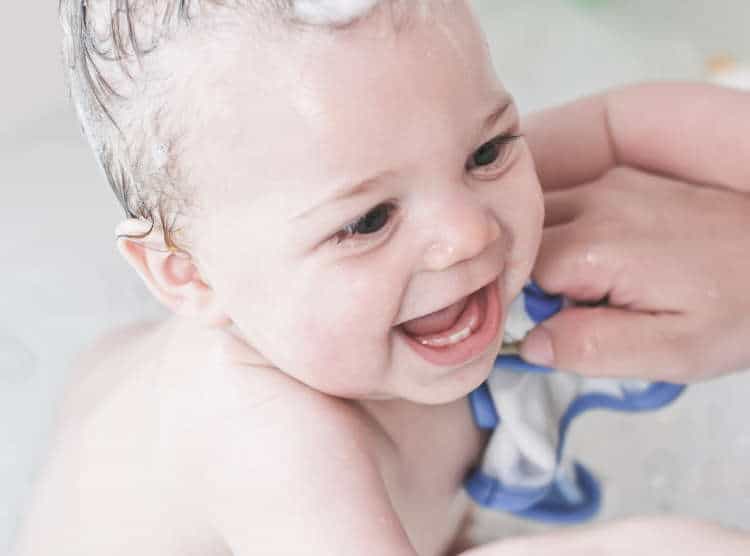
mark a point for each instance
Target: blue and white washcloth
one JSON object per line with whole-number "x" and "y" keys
{"x": 525, "y": 469}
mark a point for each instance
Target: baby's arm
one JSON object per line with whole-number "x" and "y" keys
{"x": 300, "y": 475}
{"x": 695, "y": 132}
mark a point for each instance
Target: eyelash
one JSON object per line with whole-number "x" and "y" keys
{"x": 498, "y": 162}
{"x": 349, "y": 232}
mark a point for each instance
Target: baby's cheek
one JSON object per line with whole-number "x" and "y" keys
{"x": 338, "y": 360}
{"x": 521, "y": 210}
{"x": 343, "y": 332}
{"x": 324, "y": 322}
{"x": 364, "y": 292}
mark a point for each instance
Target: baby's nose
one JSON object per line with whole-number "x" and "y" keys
{"x": 463, "y": 229}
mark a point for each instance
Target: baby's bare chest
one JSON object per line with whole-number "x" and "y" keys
{"x": 437, "y": 447}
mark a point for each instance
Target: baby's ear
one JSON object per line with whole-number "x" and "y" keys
{"x": 170, "y": 275}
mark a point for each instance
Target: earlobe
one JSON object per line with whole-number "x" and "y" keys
{"x": 170, "y": 276}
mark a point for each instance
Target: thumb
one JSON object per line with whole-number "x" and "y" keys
{"x": 614, "y": 342}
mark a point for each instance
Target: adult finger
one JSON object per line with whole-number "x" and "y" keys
{"x": 614, "y": 342}
{"x": 561, "y": 207}
{"x": 591, "y": 262}
{"x": 571, "y": 143}
{"x": 573, "y": 263}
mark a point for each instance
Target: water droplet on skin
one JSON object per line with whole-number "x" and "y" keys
{"x": 713, "y": 294}
{"x": 439, "y": 255}
{"x": 591, "y": 259}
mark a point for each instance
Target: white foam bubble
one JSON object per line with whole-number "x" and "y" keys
{"x": 332, "y": 12}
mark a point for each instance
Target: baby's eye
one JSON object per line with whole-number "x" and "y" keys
{"x": 371, "y": 223}
{"x": 490, "y": 157}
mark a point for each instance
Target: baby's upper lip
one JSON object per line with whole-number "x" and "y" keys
{"x": 451, "y": 301}
{"x": 429, "y": 292}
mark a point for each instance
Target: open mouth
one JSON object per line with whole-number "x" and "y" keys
{"x": 458, "y": 333}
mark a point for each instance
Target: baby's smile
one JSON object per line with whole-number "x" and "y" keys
{"x": 458, "y": 333}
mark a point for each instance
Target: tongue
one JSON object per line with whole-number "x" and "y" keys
{"x": 436, "y": 322}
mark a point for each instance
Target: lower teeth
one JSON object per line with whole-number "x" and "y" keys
{"x": 459, "y": 336}
{"x": 455, "y": 338}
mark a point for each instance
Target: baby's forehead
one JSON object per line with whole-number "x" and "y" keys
{"x": 242, "y": 105}
{"x": 237, "y": 63}
{"x": 337, "y": 103}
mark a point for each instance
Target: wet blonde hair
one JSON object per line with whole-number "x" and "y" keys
{"x": 124, "y": 115}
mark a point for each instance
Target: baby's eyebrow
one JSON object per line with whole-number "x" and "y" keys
{"x": 506, "y": 101}
{"x": 346, "y": 192}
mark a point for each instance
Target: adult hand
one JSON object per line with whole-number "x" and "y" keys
{"x": 673, "y": 262}
{"x": 669, "y": 252}
{"x": 653, "y": 536}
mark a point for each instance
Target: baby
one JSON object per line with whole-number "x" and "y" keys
{"x": 334, "y": 200}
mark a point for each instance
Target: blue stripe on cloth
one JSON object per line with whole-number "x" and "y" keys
{"x": 483, "y": 408}
{"x": 548, "y": 504}
{"x": 656, "y": 396}
{"x": 555, "y": 508}
{"x": 490, "y": 492}
{"x": 539, "y": 304}
{"x": 515, "y": 363}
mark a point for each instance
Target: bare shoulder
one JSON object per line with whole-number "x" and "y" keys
{"x": 161, "y": 435}
{"x": 115, "y": 455}
{"x": 298, "y": 472}
{"x": 99, "y": 371}
{"x": 263, "y": 419}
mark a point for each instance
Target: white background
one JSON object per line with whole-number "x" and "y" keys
{"x": 62, "y": 283}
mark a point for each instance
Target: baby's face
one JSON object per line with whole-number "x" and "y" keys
{"x": 353, "y": 182}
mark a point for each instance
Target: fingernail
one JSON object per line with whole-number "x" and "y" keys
{"x": 537, "y": 348}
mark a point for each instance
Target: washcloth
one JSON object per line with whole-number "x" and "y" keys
{"x": 525, "y": 469}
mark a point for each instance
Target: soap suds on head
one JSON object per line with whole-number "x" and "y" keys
{"x": 332, "y": 12}
{"x": 343, "y": 12}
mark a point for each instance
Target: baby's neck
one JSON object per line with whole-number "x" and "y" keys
{"x": 391, "y": 415}
{"x": 406, "y": 423}
{"x": 401, "y": 420}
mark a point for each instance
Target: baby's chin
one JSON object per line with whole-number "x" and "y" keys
{"x": 451, "y": 386}
{"x": 435, "y": 390}
{"x": 458, "y": 384}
